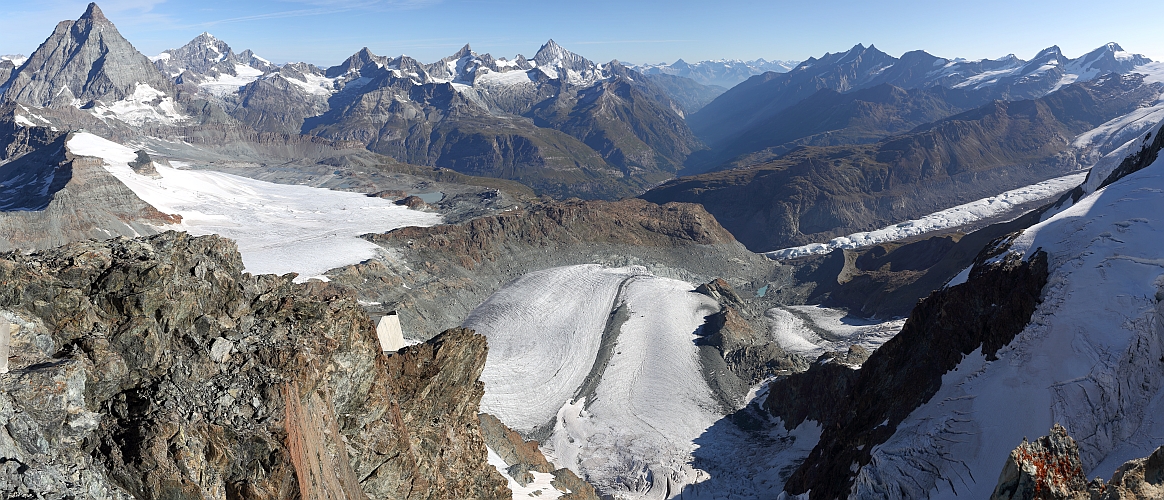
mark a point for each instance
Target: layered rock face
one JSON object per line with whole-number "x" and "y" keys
{"x": 81, "y": 61}
{"x": 154, "y": 368}
{"x": 52, "y": 197}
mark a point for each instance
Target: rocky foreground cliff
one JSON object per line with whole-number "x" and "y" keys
{"x": 154, "y": 368}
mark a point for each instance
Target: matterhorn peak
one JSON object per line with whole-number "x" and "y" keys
{"x": 90, "y": 59}
{"x": 93, "y": 13}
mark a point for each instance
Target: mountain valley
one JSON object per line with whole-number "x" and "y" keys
{"x": 854, "y": 276}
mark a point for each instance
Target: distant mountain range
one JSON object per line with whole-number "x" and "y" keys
{"x": 859, "y": 140}
{"x": 560, "y": 123}
{"x": 758, "y": 99}
{"x": 557, "y": 121}
{"x": 726, "y": 73}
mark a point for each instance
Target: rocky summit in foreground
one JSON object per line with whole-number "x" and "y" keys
{"x": 155, "y": 368}
{"x": 1049, "y": 468}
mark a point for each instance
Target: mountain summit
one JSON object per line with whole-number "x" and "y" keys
{"x": 83, "y": 61}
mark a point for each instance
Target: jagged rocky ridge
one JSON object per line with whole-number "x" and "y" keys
{"x": 750, "y": 103}
{"x": 557, "y": 122}
{"x": 154, "y": 368}
{"x": 859, "y": 409}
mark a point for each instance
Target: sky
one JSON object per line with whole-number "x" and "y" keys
{"x": 325, "y": 32}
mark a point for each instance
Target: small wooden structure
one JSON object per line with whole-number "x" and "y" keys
{"x": 389, "y": 332}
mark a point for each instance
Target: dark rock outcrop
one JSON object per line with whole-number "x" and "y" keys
{"x": 144, "y": 165}
{"x": 859, "y": 409}
{"x": 154, "y": 368}
{"x": 524, "y": 456}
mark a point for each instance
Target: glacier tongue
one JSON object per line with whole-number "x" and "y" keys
{"x": 634, "y": 435}
{"x": 601, "y": 365}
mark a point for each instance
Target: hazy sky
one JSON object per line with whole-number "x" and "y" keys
{"x": 325, "y": 32}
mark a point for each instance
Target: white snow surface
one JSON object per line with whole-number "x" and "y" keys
{"x": 1089, "y": 359}
{"x": 279, "y": 228}
{"x": 1121, "y": 129}
{"x": 146, "y": 105}
{"x": 949, "y": 218}
{"x": 16, "y": 59}
{"x": 652, "y": 427}
{"x": 503, "y": 78}
{"x": 544, "y": 331}
{"x": 224, "y": 84}
{"x": 540, "y": 487}
{"x": 312, "y": 84}
{"x": 814, "y": 330}
{"x": 634, "y": 438}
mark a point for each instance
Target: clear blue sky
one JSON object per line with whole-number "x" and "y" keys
{"x": 324, "y": 32}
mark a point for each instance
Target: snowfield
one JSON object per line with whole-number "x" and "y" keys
{"x": 279, "y": 228}
{"x": 945, "y": 219}
{"x": 224, "y": 84}
{"x": 146, "y": 105}
{"x": 544, "y": 332}
{"x": 1089, "y": 358}
{"x": 601, "y": 365}
{"x": 814, "y": 330}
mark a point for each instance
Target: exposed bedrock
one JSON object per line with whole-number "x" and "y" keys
{"x": 859, "y": 409}
{"x": 1050, "y": 469}
{"x": 154, "y": 368}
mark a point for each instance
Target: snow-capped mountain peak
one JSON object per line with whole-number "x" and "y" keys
{"x": 556, "y": 62}
{"x": 721, "y": 72}
{"x": 212, "y": 65}
{"x": 15, "y": 59}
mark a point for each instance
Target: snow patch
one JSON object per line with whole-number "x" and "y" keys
{"x": 146, "y": 105}
{"x": 539, "y": 488}
{"x": 814, "y": 330}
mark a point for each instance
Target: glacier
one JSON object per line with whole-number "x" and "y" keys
{"x": 279, "y": 228}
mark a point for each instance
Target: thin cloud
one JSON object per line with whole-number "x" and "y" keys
{"x": 603, "y": 42}
{"x": 269, "y": 15}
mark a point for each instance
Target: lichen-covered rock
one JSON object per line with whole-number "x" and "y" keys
{"x": 1047, "y": 469}
{"x": 154, "y": 368}
{"x": 1050, "y": 469}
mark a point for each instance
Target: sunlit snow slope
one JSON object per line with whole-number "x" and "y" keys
{"x": 279, "y": 228}
{"x": 1091, "y": 358}
{"x": 626, "y": 422}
